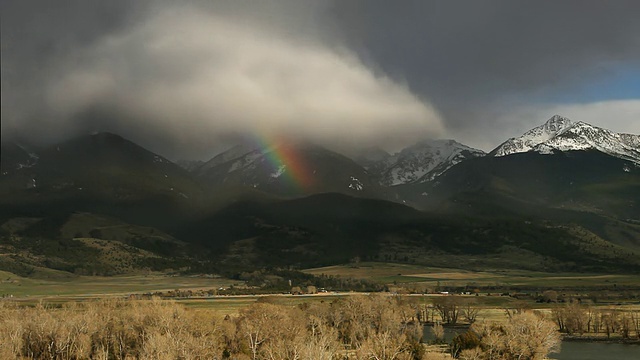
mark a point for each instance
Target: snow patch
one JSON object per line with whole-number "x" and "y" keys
{"x": 281, "y": 169}
{"x": 355, "y": 184}
{"x": 33, "y": 159}
{"x": 233, "y": 153}
{"x": 245, "y": 161}
{"x": 24, "y": 166}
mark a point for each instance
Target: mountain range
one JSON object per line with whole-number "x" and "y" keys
{"x": 564, "y": 196}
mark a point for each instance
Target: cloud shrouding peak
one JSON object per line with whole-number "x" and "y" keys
{"x": 187, "y": 79}
{"x": 192, "y": 79}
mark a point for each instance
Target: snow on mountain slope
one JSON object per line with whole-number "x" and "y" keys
{"x": 582, "y": 136}
{"x": 14, "y": 156}
{"x": 247, "y": 161}
{"x": 424, "y": 161}
{"x": 231, "y": 154}
{"x": 631, "y": 140}
{"x": 560, "y": 134}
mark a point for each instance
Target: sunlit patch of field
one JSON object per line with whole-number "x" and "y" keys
{"x": 222, "y": 305}
{"x": 434, "y": 276}
{"x": 233, "y": 304}
{"x": 461, "y": 275}
{"x": 372, "y": 270}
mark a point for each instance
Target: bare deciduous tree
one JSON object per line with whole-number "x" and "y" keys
{"x": 470, "y": 311}
{"x": 635, "y": 322}
{"x": 448, "y": 307}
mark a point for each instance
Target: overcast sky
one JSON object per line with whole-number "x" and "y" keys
{"x": 186, "y": 79}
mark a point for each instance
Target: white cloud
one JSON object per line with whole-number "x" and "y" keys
{"x": 198, "y": 75}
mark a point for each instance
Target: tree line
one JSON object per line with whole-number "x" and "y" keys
{"x": 358, "y": 327}
{"x": 575, "y": 318}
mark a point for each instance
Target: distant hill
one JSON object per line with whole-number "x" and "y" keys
{"x": 86, "y": 244}
{"x": 330, "y": 228}
{"x": 102, "y": 173}
{"x": 587, "y": 181}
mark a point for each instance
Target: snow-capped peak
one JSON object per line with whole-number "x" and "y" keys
{"x": 553, "y": 127}
{"x": 557, "y": 124}
{"x": 561, "y": 134}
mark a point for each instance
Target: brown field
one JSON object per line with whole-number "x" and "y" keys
{"x": 434, "y": 276}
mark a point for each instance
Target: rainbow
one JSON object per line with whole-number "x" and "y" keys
{"x": 282, "y": 156}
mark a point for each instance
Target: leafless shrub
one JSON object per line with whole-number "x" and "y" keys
{"x": 525, "y": 336}
{"x": 438, "y": 332}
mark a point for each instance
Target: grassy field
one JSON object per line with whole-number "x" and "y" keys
{"x": 434, "y": 276}
{"x": 387, "y": 273}
{"x": 59, "y": 289}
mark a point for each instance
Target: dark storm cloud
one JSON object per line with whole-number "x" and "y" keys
{"x": 448, "y": 47}
{"x": 477, "y": 60}
{"x": 186, "y": 79}
{"x": 35, "y": 36}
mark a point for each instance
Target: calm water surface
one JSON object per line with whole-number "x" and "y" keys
{"x": 575, "y": 350}
{"x": 570, "y": 350}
